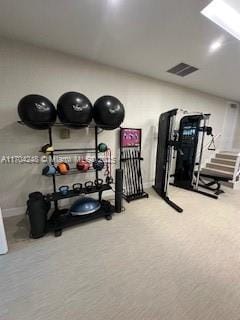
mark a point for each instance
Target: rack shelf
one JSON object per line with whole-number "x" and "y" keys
{"x": 71, "y": 151}
{"x": 56, "y": 196}
{"x": 76, "y": 152}
{"x": 63, "y": 219}
{"x": 92, "y": 125}
{"x": 73, "y": 172}
{"x": 60, "y": 124}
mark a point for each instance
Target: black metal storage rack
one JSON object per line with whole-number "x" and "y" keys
{"x": 130, "y": 162}
{"x": 61, "y": 218}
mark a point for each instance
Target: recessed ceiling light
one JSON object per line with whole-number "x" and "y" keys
{"x": 216, "y": 45}
{"x": 225, "y": 16}
{"x": 113, "y": 2}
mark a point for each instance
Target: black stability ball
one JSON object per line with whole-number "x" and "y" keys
{"x": 108, "y": 112}
{"x": 74, "y": 110}
{"x": 37, "y": 112}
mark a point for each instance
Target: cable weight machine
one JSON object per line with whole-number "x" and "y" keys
{"x": 165, "y": 149}
{"x": 184, "y": 143}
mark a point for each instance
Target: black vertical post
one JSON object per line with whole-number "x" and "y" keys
{"x": 96, "y": 156}
{"x": 118, "y": 190}
{"x": 139, "y": 163}
{"x": 52, "y": 163}
{"x": 120, "y": 144}
{"x": 140, "y": 142}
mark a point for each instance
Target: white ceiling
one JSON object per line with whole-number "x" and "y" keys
{"x": 143, "y": 36}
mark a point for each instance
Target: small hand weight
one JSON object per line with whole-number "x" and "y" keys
{"x": 64, "y": 190}
{"x": 109, "y": 180}
{"x": 98, "y": 183}
{"x": 89, "y": 185}
{"x": 77, "y": 187}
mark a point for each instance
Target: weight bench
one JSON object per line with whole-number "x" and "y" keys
{"x": 213, "y": 182}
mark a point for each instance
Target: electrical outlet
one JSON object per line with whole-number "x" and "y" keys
{"x": 64, "y": 133}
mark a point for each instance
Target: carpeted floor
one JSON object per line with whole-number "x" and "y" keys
{"x": 149, "y": 263}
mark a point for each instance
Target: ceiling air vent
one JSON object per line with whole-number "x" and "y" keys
{"x": 182, "y": 69}
{"x": 233, "y": 105}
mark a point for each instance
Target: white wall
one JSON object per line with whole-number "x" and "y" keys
{"x": 25, "y": 69}
{"x": 236, "y": 141}
{"x": 230, "y": 128}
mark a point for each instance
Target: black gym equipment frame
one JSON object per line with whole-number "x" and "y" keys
{"x": 60, "y": 218}
{"x": 212, "y": 182}
{"x": 164, "y": 156}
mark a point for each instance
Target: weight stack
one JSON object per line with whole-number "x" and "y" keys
{"x": 118, "y": 190}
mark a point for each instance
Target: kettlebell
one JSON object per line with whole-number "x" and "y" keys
{"x": 77, "y": 187}
{"x": 63, "y": 168}
{"x": 98, "y": 183}
{"x": 102, "y": 147}
{"x": 83, "y": 165}
{"x": 109, "y": 180}
{"x": 98, "y": 164}
{"x": 89, "y": 185}
{"x": 64, "y": 190}
{"x": 49, "y": 170}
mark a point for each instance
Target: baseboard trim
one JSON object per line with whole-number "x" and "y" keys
{"x": 12, "y": 212}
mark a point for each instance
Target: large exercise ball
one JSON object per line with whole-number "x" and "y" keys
{"x": 37, "y": 112}
{"x": 108, "y": 112}
{"x": 74, "y": 110}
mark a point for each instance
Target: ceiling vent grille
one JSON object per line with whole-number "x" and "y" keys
{"x": 182, "y": 69}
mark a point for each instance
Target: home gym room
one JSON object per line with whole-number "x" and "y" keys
{"x": 120, "y": 159}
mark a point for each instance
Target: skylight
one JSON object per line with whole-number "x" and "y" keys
{"x": 224, "y": 16}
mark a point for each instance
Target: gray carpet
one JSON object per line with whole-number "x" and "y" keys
{"x": 149, "y": 263}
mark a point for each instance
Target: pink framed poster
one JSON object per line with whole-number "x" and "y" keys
{"x": 130, "y": 137}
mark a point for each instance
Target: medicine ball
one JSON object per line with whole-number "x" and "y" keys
{"x": 37, "y": 112}
{"x": 49, "y": 170}
{"x": 74, "y": 110}
{"x": 108, "y": 112}
{"x": 98, "y": 164}
{"x": 102, "y": 147}
{"x": 83, "y": 165}
{"x": 63, "y": 168}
